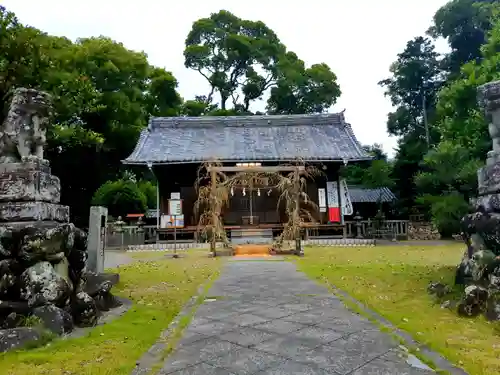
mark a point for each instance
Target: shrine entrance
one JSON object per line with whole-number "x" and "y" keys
{"x": 254, "y": 206}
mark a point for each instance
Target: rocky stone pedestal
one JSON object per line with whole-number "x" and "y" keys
{"x": 29, "y": 192}
{"x": 481, "y": 229}
{"x": 42, "y": 255}
{"x": 43, "y": 258}
{"x": 479, "y": 270}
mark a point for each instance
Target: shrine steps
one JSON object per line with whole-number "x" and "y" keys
{"x": 251, "y": 236}
{"x": 252, "y": 250}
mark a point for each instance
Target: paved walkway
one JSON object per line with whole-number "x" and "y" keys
{"x": 264, "y": 317}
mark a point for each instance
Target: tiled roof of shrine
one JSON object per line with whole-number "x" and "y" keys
{"x": 321, "y": 137}
{"x": 360, "y": 194}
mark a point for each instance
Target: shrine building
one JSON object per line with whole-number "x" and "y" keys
{"x": 174, "y": 148}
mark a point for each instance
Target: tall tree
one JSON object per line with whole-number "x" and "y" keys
{"x": 465, "y": 24}
{"x": 447, "y": 183}
{"x": 233, "y": 54}
{"x": 449, "y": 177}
{"x": 412, "y": 89}
{"x": 102, "y": 93}
{"x": 459, "y": 117}
{"x": 302, "y": 90}
{"x": 242, "y": 59}
{"x": 416, "y": 78}
{"x": 127, "y": 91}
{"x": 409, "y": 155}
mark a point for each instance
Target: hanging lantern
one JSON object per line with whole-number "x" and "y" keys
{"x": 258, "y": 192}
{"x": 244, "y": 192}
{"x": 232, "y": 191}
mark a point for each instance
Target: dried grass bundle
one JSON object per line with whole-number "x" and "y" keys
{"x": 214, "y": 192}
{"x": 293, "y": 188}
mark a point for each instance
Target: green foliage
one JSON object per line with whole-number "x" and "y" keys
{"x": 457, "y": 127}
{"x": 416, "y": 78}
{"x": 447, "y": 183}
{"x": 121, "y": 197}
{"x": 377, "y": 173}
{"x": 460, "y": 117}
{"x": 449, "y": 167}
{"x": 303, "y": 90}
{"x": 103, "y": 96}
{"x": 242, "y": 59}
{"x": 230, "y": 52}
{"x": 449, "y": 177}
{"x": 465, "y": 24}
{"x": 149, "y": 190}
{"x": 447, "y": 210}
{"x": 199, "y": 106}
{"x": 30, "y": 321}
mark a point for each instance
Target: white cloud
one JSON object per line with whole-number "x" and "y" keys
{"x": 359, "y": 39}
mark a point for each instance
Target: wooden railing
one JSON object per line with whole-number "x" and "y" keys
{"x": 396, "y": 228}
{"x": 133, "y": 235}
{"x": 121, "y": 237}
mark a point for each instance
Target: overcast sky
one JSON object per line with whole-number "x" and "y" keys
{"x": 358, "y": 39}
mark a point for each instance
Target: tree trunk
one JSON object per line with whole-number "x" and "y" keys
{"x": 223, "y": 101}
{"x": 213, "y": 243}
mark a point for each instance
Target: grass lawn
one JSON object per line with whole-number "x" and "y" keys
{"x": 158, "y": 288}
{"x": 392, "y": 281}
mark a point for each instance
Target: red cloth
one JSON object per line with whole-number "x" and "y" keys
{"x": 334, "y": 214}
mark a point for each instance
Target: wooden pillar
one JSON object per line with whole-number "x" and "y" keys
{"x": 296, "y": 212}
{"x": 341, "y": 203}
{"x": 324, "y": 185}
{"x": 213, "y": 192}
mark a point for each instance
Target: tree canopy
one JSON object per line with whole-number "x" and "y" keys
{"x": 104, "y": 94}
{"x": 242, "y": 59}
{"x": 440, "y": 178}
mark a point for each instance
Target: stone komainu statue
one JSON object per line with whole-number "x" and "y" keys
{"x": 23, "y": 132}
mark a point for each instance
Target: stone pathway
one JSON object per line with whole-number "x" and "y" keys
{"x": 116, "y": 258}
{"x": 264, "y": 317}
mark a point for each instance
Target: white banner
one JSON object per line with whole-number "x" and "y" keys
{"x": 346, "y": 199}
{"x": 333, "y": 197}
{"x": 322, "y": 200}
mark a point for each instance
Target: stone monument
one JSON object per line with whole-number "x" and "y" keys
{"x": 479, "y": 270}
{"x": 97, "y": 223}
{"x": 42, "y": 255}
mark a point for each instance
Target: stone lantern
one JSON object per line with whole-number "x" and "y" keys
{"x": 118, "y": 224}
{"x": 358, "y": 225}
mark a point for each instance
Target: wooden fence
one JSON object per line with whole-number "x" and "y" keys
{"x": 122, "y": 237}
{"x": 127, "y": 235}
{"x": 391, "y": 228}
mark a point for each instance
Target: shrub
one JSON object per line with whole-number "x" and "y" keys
{"x": 149, "y": 190}
{"x": 121, "y": 197}
{"x": 447, "y": 211}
